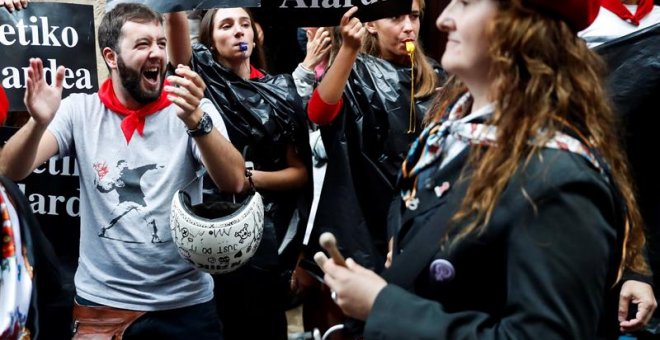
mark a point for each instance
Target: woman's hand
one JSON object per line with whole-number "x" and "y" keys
{"x": 352, "y": 30}
{"x": 640, "y": 294}
{"x": 355, "y": 287}
{"x": 318, "y": 47}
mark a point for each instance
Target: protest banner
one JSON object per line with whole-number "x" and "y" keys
{"x": 318, "y": 13}
{"x": 48, "y": 31}
{"x": 301, "y": 13}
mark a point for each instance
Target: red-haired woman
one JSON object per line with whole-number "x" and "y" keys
{"x": 516, "y": 214}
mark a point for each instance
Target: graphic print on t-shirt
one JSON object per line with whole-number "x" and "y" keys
{"x": 131, "y": 208}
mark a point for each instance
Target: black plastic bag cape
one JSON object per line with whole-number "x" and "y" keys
{"x": 633, "y": 82}
{"x": 366, "y": 145}
{"x": 265, "y": 115}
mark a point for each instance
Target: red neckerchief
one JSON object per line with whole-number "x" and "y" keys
{"x": 255, "y": 73}
{"x": 134, "y": 118}
{"x": 4, "y": 105}
{"x": 644, "y": 7}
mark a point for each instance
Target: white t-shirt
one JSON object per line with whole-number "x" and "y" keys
{"x": 127, "y": 257}
{"x": 609, "y": 26}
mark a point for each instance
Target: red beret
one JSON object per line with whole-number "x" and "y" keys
{"x": 4, "y": 105}
{"x": 578, "y": 14}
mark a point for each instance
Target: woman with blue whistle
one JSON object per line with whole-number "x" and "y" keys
{"x": 264, "y": 117}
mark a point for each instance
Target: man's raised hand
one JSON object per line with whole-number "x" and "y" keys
{"x": 42, "y": 100}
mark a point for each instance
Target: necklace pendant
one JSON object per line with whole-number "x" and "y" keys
{"x": 413, "y": 203}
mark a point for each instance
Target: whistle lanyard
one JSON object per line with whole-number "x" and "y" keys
{"x": 412, "y": 117}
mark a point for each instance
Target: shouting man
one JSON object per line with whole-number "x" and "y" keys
{"x": 137, "y": 119}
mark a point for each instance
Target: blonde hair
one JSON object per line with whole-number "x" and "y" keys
{"x": 425, "y": 77}
{"x": 544, "y": 78}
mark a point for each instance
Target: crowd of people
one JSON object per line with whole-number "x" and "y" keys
{"x": 484, "y": 195}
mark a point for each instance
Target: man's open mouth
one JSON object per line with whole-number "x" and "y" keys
{"x": 152, "y": 75}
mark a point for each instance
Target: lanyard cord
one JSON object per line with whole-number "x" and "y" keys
{"x": 412, "y": 118}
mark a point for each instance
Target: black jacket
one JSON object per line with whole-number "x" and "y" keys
{"x": 542, "y": 268}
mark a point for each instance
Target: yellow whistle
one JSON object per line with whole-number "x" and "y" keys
{"x": 410, "y": 47}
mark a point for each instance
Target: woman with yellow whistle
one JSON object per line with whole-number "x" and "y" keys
{"x": 367, "y": 119}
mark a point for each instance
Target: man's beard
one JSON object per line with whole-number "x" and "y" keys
{"x": 130, "y": 79}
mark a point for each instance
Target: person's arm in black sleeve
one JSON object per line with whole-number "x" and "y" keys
{"x": 557, "y": 266}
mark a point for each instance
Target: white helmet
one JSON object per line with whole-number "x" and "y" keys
{"x": 217, "y": 237}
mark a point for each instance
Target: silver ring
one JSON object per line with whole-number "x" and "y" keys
{"x": 333, "y": 296}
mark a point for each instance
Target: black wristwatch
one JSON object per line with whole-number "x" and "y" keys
{"x": 204, "y": 127}
{"x": 249, "y": 166}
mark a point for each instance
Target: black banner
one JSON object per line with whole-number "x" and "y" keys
{"x": 187, "y": 5}
{"x": 302, "y": 13}
{"x": 59, "y": 34}
{"x": 53, "y": 190}
{"x": 317, "y": 13}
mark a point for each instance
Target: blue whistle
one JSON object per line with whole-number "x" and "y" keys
{"x": 243, "y": 46}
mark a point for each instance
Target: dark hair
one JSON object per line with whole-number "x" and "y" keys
{"x": 113, "y": 21}
{"x": 257, "y": 59}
